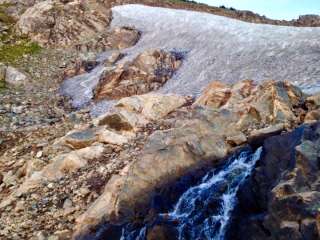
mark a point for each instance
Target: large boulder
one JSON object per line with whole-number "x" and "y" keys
{"x": 137, "y": 111}
{"x": 146, "y": 73}
{"x": 271, "y": 102}
{"x": 116, "y": 38}
{"x": 62, "y": 23}
{"x": 153, "y": 106}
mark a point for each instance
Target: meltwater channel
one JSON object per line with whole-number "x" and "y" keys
{"x": 204, "y": 210}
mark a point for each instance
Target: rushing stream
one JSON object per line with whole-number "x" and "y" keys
{"x": 204, "y": 210}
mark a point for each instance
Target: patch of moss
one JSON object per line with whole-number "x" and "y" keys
{"x": 2, "y": 85}
{"x": 12, "y": 46}
{"x": 10, "y": 53}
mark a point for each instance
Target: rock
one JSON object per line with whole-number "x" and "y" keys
{"x": 121, "y": 120}
{"x": 284, "y": 189}
{"x": 39, "y": 154}
{"x": 146, "y": 73}
{"x": 67, "y": 204}
{"x": 63, "y": 234}
{"x": 210, "y": 130}
{"x": 41, "y": 236}
{"x": 261, "y": 134}
{"x": 80, "y": 66}
{"x": 137, "y": 111}
{"x": 17, "y": 109}
{"x": 60, "y": 166}
{"x": 313, "y": 102}
{"x": 80, "y": 139}
{"x": 311, "y": 20}
{"x": 291, "y": 229}
{"x": 123, "y": 37}
{"x": 62, "y": 24}
{"x": 116, "y": 38}
{"x": 1, "y": 178}
{"x": 107, "y": 136}
{"x": 162, "y": 233}
{"x": 152, "y": 106}
{"x": 312, "y": 116}
{"x": 115, "y": 57}
{"x": 19, "y": 206}
{"x": 215, "y": 95}
{"x": 14, "y": 77}
{"x": 269, "y": 103}
{"x": 237, "y": 139}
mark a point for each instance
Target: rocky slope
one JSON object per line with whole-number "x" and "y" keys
{"x": 65, "y": 174}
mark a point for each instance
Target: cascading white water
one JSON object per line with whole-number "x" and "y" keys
{"x": 204, "y": 211}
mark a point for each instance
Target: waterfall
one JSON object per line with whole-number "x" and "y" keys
{"x": 204, "y": 210}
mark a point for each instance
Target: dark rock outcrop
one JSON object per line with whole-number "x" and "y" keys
{"x": 282, "y": 196}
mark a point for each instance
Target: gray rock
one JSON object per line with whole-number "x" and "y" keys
{"x": 15, "y": 77}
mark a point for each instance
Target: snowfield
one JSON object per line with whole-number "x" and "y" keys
{"x": 220, "y": 48}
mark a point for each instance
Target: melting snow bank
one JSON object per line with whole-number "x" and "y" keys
{"x": 217, "y": 48}
{"x": 203, "y": 211}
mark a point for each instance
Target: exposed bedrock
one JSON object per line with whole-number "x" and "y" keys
{"x": 147, "y": 72}
{"x": 282, "y": 198}
{"x": 202, "y": 134}
{"x": 62, "y": 23}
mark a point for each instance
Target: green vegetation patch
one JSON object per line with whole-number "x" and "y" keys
{"x": 13, "y": 46}
{"x": 9, "y": 53}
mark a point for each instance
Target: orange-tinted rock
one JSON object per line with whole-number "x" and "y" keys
{"x": 146, "y": 73}
{"x": 215, "y": 95}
